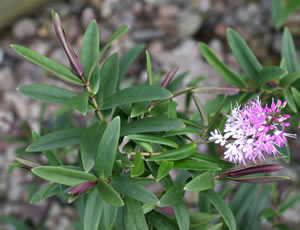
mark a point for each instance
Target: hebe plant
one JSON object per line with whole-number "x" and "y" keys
{"x": 137, "y": 137}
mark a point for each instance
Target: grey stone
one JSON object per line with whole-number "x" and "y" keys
{"x": 88, "y": 14}
{"x": 6, "y": 79}
{"x": 188, "y": 23}
{"x": 24, "y": 28}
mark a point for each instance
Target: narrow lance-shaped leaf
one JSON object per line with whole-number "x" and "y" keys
{"x": 172, "y": 196}
{"x": 289, "y": 52}
{"x": 269, "y": 73}
{"x": 75, "y": 63}
{"x": 59, "y": 70}
{"x": 202, "y": 182}
{"x": 226, "y": 73}
{"x": 164, "y": 168}
{"x": 108, "y": 217}
{"x": 133, "y": 215}
{"x": 64, "y": 176}
{"x": 139, "y": 166}
{"x": 222, "y": 208}
{"x": 244, "y": 55}
{"x": 200, "y": 109}
{"x": 48, "y": 93}
{"x": 109, "y": 194}
{"x": 153, "y": 139}
{"x": 182, "y": 216}
{"x": 45, "y": 193}
{"x": 80, "y": 102}
{"x": 149, "y": 67}
{"x": 290, "y": 101}
{"x": 108, "y": 148}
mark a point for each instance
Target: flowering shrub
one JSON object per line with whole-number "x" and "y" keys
{"x": 137, "y": 138}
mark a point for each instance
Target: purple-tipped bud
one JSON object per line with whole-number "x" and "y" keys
{"x": 81, "y": 188}
{"x": 169, "y": 77}
{"x": 252, "y": 170}
{"x": 75, "y": 63}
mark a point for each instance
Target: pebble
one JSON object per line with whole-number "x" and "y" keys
{"x": 24, "y": 28}
{"x": 188, "y": 23}
{"x": 88, "y": 14}
{"x": 7, "y": 79}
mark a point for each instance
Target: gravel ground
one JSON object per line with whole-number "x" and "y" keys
{"x": 170, "y": 29}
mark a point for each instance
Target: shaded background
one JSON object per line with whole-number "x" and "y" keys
{"x": 171, "y": 30}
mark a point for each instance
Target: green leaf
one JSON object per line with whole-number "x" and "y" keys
{"x": 285, "y": 151}
{"x": 128, "y": 59}
{"x": 89, "y": 53}
{"x": 139, "y": 166}
{"x": 135, "y": 94}
{"x": 144, "y": 145}
{"x": 198, "y": 219}
{"x": 296, "y": 96}
{"x": 289, "y": 79}
{"x": 286, "y": 10}
{"x": 151, "y": 124}
{"x": 56, "y": 140}
{"x": 149, "y": 67}
{"x": 161, "y": 222}
{"x": 261, "y": 179}
{"x": 108, "y": 217}
{"x": 107, "y": 150}
{"x": 80, "y": 102}
{"x": 289, "y": 52}
{"x": 47, "y": 93}
{"x": 211, "y": 159}
{"x": 58, "y": 69}
{"x": 276, "y": 6}
{"x": 115, "y": 36}
{"x": 202, "y": 182}
{"x": 172, "y": 196}
{"x": 189, "y": 164}
{"x": 200, "y": 110}
{"x": 182, "y": 215}
{"x": 153, "y": 139}
{"x": 64, "y": 176}
{"x": 221, "y": 68}
{"x": 16, "y": 223}
{"x": 133, "y": 215}
{"x": 109, "y": 75}
{"x": 131, "y": 189}
{"x": 177, "y": 154}
{"x": 243, "y": 54}
{"x": 46, "y": 192}
{"x": 88, "y": 146}
{"x": 289, "y": 203}
{"x": 182, "y": 131}
{"x": 268, "y": 73}
{"x": 93, "y": 210}
{"x": 164, "y": 169}
{"x": 222, "y": 208}
{"x": 109, "y": 194}
{"x": 290, "y": 101}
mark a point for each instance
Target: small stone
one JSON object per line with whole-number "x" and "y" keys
{"x": 6, "y": 79}
{"x": 188, "y": 23}
{"x": 59, "y": 56}
{"x": 88, "y": 14}
{"x": 40, "y": 46}
{"x": 168, "y": 11}
{"x": 144, "y": 35}
{"x": 204, "y": 5}
{"x": 24, "y": 28}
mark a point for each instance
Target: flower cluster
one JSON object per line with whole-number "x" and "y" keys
{"x": 253, "y": 131}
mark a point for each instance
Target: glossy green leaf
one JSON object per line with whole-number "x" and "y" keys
{"x": 63, "y": 175}
{"x": 290, "y": 101}
{"x": 221, "y": 68}
{"x": 151, "y": 124}
{"x": 161, "y": 221}
{"x": 80, "y": 102}
{"x": 93, "y": 210}
{"x": 198, "y": 219}
{"x": 216, "y": 227}
{"x": 108, "y": 217}
{"x": 177, "y": 154}
{"x": 109, "y": 75}
{"x": 108, "y": 148}
{"x": 269, "y": 73}
{"x": 58, "y": 69}
{"x": 115, "y": 36}
{"x": 222, "y": 208}
{"x": 109, "y": 194}
{"x": 47, "y": 93}
{"x": 46, "y": 192}
{"x": 276, "y": 6}
{"x": 296, "y": 96}
{"x": 243, "y": 54}
{"x": 149, "y": 67}
{"x": 131, "y": 189}
{"x": 144, "y": 145}
{"x": 135, "y": 94}
{"x": 289, "y": 52}
{"x": 189, "y": 164}
{"x": 201, "y": 182}
{"x": 172, "y": 196}
{"x": 138, "y": 109}
{"x": 148, "y": 207}
{"x": 56, "y": 140}
{"x": 143, "y": 181}
{"x": 153, "y": 139}
{"x": 182, "y": 131}
{"x": 128, "y": 59}
{"x": 289, "y": 203}
{"x": 139, "y": 166}
{"x": 133, "y": 215}
{"x": 88, "y": 146}
{"x": 211, "y": 159}
{"x": 289, "y": 79}
{"x": 164, "y": 168}
{"x": 182, "y": 215}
